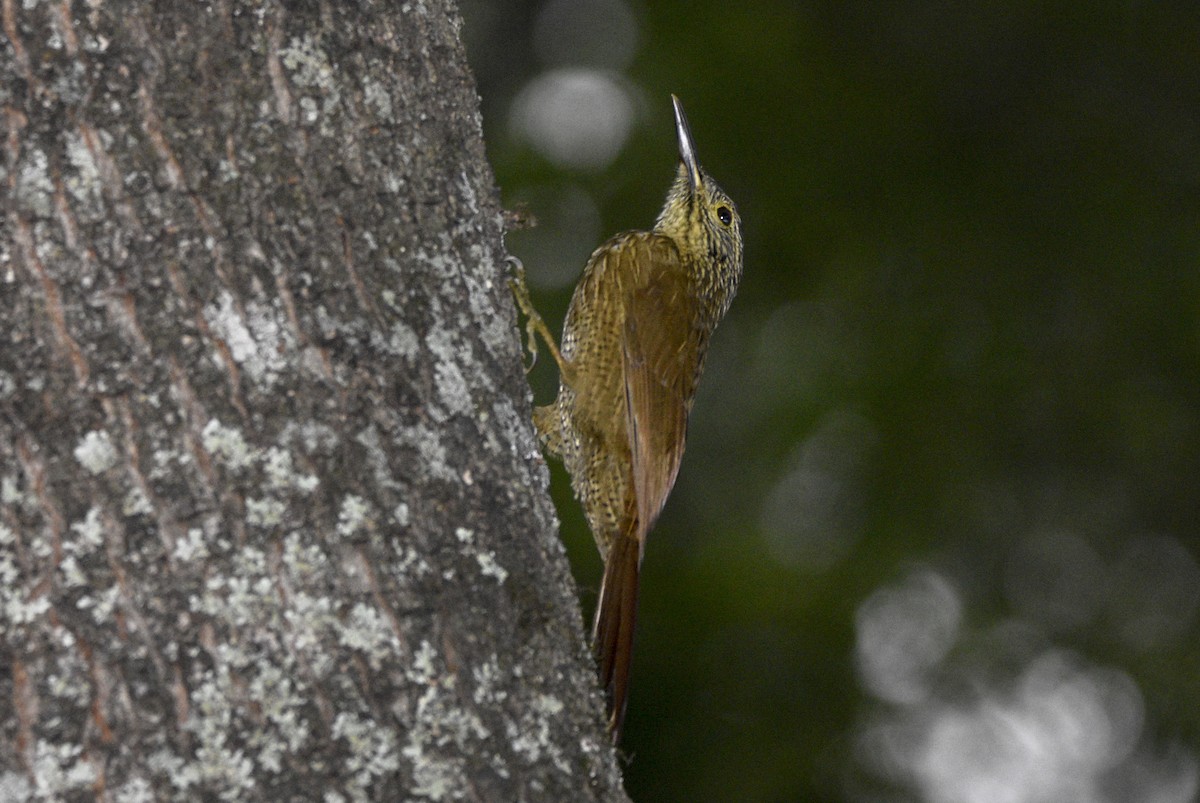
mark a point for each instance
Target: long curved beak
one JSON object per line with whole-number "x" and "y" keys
{"x": 687, "y": 149}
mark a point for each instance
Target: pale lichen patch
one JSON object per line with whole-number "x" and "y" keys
{"x": 435, "y": 777}
{"x": 353, "y": 515}
{"x": 422, "y": 670}
{"x": 265, "y": 513}
{"x": 84, "y": 183}
{"x": 302, "y": 558}
{"x": 72, "y": 573}
{"x": 243, "y": 596}
{"x": 227, "y": 445}
{"x": 20, "y": 609}
{"x": 17, "y": 607}
{"x": 135, "y": 790}
{"x": 8, "y": 567}
{"x": 372, "y": 750}
{"x": 314, "y": 436}
{"x": 273, "y": 337}
{"x": 427, "y": 441}
{"x": 310, "y": 617}
{"x": 531, "y": 738}
{"x": 310, "y": 69}
{"x": 493, "y": 329}
{"x": 166, "y": 462}
{"x": 136, "y": 503}
{"x": 89, "y": 534}
{"x": 59, "y": 769}
{"x": 246, "y": 599}
{"x": 509, "y": 420}
{"x": 228, "y": 323}
{"x": 489, "y": 688}
{"x": 309, "y": 111}
{"x": 277, "y": 464}
{"x": 192, "y": 546}
{"x": 377, "y": 99}
{"x": 102, "y": 604}
{"x": 368, "y": 631}
{"x": 282, "y": 703}
{"x": 34, "y": 189}
{"x": 68, "y": 680}
{"x": 377, "y": 458}
{"x": 11, "y": 493}
{"x": 403, "y": 341}
{"x": 96, "y": 452}
{"x": 15, "y": 786}
{"x": 452, "y": 387}
{"x": 439, "y": 724}
{"x": 216, "y": 763}
{"x": 258, "y": 341}
{"x": 411, "y": 561}
{"x": 489, "y": 566}
{"x": 441, "y": 263}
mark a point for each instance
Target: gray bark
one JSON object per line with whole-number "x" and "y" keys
{"x": 273, "y": 521}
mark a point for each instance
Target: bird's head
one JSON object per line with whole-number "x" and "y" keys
{"x": 701, "y": 217}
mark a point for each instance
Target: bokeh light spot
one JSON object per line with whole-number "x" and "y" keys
{"x": 903, "y": 631}
{"x": 1054, "y": 738}
{"x": 577, "y": 118}
{"x": 813, "y": 515}
{"x": 1157, "y": 591}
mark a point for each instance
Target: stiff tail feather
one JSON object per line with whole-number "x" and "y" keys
{"x": 612, "y": 633}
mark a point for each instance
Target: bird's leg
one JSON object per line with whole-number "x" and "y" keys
{"x": 534, "y": 325}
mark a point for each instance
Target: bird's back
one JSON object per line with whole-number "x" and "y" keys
{"x": 590, "y": 412}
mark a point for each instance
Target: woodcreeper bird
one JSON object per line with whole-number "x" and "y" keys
{"x": 633, "y": 347}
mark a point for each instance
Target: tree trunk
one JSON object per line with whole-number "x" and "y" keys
{"x": 273, "y": 521}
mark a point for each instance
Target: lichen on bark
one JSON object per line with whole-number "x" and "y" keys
{"x": 273, "y": 523}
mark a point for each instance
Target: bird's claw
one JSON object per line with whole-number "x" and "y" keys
{"x": 520, "y": 291}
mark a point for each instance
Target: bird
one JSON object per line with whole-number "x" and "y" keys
{"x": 634, "y": 342}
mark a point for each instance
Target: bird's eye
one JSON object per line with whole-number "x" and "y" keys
{"x": 725, "y": 215}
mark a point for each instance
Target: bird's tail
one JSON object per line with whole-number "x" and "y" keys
{"x": 612, "y": 633}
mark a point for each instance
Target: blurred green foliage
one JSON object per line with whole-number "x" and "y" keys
{"x": 972, "y": 241}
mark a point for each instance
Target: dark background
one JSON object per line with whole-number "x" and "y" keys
{"x": 935, "y": 535}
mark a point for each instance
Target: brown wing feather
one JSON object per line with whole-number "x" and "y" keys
{"x": 661, "y": 366}
{"x": 643, "y": 388}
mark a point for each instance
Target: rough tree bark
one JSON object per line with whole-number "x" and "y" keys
{"x": 273, "y": 522}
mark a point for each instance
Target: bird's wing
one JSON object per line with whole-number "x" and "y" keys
{"x": 663, "y": 347}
